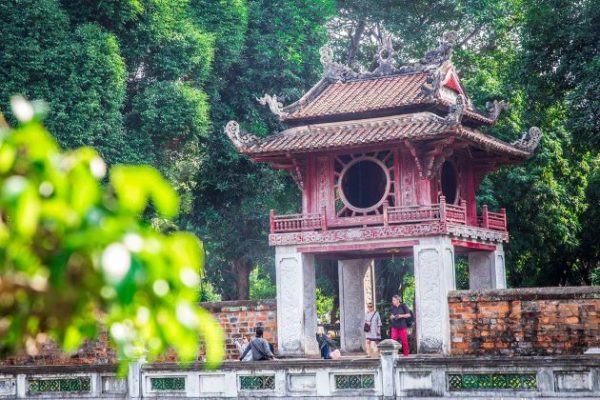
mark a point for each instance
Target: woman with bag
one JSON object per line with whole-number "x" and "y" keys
{"x": 372, "y": 328}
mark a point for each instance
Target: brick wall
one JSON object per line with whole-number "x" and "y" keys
{"x": 239, "y": 318}
{"x": 95, "y": 352}
{"x": 532, "y": 321}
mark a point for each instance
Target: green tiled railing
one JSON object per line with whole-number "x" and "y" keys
{"x": 362, "y": 381}
{"x": 39, "y": 386}
{"x": 257, "y": 382}
{"x": 517, "y": 381}
{"x": 167, "y": 383}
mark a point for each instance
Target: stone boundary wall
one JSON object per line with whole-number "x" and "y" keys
{"x": 527, "y": 321}
{"x": 239, "y": 318}
{"x": 389, "y": 377}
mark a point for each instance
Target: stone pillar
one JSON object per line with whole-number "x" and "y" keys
{"x": 389, "y": 356}
{"x": 296, "y": 303}
{"x": 369, "y": 284}
{"x": 134, "y": 379}
{"x": 487, "y": 270}
{"x": 434, "y": 277}
{"x": 351, "y": 274}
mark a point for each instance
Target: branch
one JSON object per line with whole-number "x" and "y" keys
{"x": 473, "y": 33}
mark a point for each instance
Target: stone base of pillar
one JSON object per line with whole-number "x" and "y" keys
{"x": 351, "y": 274}
{"x": 434, "y": 277}
{"x": 486, "y": 269}
{"x": 296, "y": 303}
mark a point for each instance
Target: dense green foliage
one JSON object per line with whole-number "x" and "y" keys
{"x": 543, "y": 59}
{"x": 278, "y": 53}
{"x": 75, "y": 256}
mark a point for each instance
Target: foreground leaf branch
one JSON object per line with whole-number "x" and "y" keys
{"x": 76, "y": 256}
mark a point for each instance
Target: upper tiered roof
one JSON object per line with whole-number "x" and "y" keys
{"x": 418, "y": 102}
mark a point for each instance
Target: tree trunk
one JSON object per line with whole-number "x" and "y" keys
{"x": 242, "y": 268}
{"x": 355, "y": 41}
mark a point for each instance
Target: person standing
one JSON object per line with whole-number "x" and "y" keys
{"x": 372, "y": 328}
{"x": 399, "y": 315}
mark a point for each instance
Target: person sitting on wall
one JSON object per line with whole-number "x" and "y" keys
{"x": 258, "y": 347}
{"x": 241, "y": 346}
{"x": 400, "y": 313}
{"x": 327, "y": 345}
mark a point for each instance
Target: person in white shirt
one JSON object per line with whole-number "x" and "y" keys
{"x": 372, "y": 328}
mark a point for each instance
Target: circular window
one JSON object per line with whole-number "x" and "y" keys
{"x": 449, "y": 182}
{"x": 364, "y": 184}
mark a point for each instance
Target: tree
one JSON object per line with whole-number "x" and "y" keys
{"x": 278, "y": 51}
{"x": 79, "y": 72}
{"x": 75, "y": 254}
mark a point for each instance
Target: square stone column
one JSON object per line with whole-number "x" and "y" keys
{"x": 296, "y": 303}
{"x": 351, "y": 274}
{"x": 487, "y": 270}
{"x": 434, "y": 277}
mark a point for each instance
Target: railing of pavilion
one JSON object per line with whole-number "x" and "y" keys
{"x": 492, "y": 220}
{"x": 443, "y": 212}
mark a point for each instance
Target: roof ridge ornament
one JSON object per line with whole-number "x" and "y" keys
{"x": 456, "y": 111}
{"x": 385, "y": 57}
{"x": 530, "y": 140}
{"x": 433, "y": 83}
{"x": 334, "y": 70}
{"x": 495, "y": 108}
{"x": 432, "y": 60}
{"x": 274, "y": 104}
{"x": 241, "y": 140}
{"x": 444, "y": 50}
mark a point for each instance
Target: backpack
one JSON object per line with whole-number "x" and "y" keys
{"x": 410, "y": 320}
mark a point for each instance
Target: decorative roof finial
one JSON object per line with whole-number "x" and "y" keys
{"x": 530, "y": 140}
{"x": 456, "y": 111}
{"x": 385, "y": 57}
{"x": 495, "y": 108}
{"x": 274, "y": 104}
{"x": 334, "y": 70}
{"x": 240, "y": 139}
{"x": 443, "y": 51}
{"x": 326, "y": 53}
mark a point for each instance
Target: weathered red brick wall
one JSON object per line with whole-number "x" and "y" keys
{"x": 240, "y": 317}
{"x": 91, "y": 352}
{"x": 532, "y": 321}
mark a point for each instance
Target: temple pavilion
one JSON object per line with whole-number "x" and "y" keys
{"x": 389, "y": 163}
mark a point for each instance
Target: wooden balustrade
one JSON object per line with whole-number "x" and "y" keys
{"x": 443, "y": 212}
{"x": 492, "y": 220}
{"x": 296, "y": 222}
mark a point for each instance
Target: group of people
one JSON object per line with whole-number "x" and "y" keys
{"x": 256, "y": 349}
{"x": 400, "y": 317}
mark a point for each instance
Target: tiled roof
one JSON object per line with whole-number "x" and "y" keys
{"x": 358, "y": 96}
{"x": 362, "y": 95}
{"x": 419, "y": 126}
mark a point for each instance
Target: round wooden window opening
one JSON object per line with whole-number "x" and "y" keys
{"x": 449, "y": 182}
{"x": 365, "y": 184}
